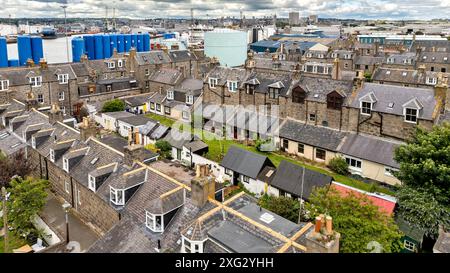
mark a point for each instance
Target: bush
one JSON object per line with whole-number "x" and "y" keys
{"x": 286, "y": 207}
{"x": 338, "y": 165}
{"x": 164, "y": 148}
{"x": 115, "y": 105}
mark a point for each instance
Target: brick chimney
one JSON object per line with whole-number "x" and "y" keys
{"x": 55, "y": 114}
{"x": 88, "y": 129}
{"x": 250, "y": 62}
{"x": 31, "y": 101}
{"x": 43, "y": 64}
{"x": 30, "y": 63}
{"x": 134, "y": 151}
{"x": 441, "y": 90}
{"x": 84, "y": 58}
{"x": 323, "y": 239}
{"x": 336, "y": 70}
{"x": 202, "y": 186}
{"x": 421, "y": 69}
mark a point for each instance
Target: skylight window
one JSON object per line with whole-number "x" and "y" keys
{"x": 15, "y": 145}
{"x": 391, "y": 105}
{"x": 4, "y": 135}
{"x": 267, "y": 218}
{"x": 388, "y": 72}
{"x": 94, "y": 160}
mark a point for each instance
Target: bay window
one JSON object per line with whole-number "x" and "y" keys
{"x": 117, "y": 196}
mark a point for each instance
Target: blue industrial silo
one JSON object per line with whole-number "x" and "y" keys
{"x": 3, "y": 52}
{"x": 37, "y": 49}
{"x": 77, "y": 49}
{"x": 134, "y": 40}
{"x": 127, "y": 39}
{"x": 140, "y": 42}
{"x": 120, "y": 43}
{"x": 90, "y": 46}
{"x": 106, "y": 46}
{"x": 113, "y": 42}
{"x": 146, "y": 42}
{"x": 13, "y": 63}
{"x": 98, "y": 42}
{"x": 24, "y": 49}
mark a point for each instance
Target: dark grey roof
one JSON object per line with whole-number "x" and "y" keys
{"x": 399, "y": 59}
{"x": 128, "y": 179}
{"x": 158, "y": 98}
{"x": 429, "y": 46}
{"x": 136, "y": 100}
{"x": 245, "y": 162}
{"x": 80, "y": 69}
{"x": 368, "y": 60}
{"x": 311, "y": 135}
{"x": 167, "y": 203}
{"x": 224, "y": 74}
{"x": 190, "y": 84}
{"x": 159, "y": 132}
{"x": 178, "y": 139}
{"x": 121, "y": 114}
{"x": 21, "y": 76}
{"x": 410, "y": 231}
{"x": 398, "y": 95}
{"x": 118, "y": 143}
{"x": 10, "y": 144}
{"x": 370, "y": 148}
{"x": 196, "y": 145}
{"x": 137, "y": 120}
{"x": 166, "y": 75}
{"x": 181, "y": 56}
{"x": 289, "y": 177}
{"x": 267, "y": 174}
{"x": 152, "y": 57}
{"x": 434, "y": 57}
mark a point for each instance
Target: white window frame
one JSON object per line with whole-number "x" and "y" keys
{"x": 245, "y": 179}
{"x": 185, "y": 115}
{"x": 409, "y": 246}
{"x": 66, "y": 164}
{"x": 4, "y": 85}
{"x": 36, "y": 81}
{"x": 61, "y": 96}
{"x": 406, "y": 115}
{"x": 66, "y": 186}
{"x": 91, "y": 183}
{"x": 170, "y": 95}
{"x": 63, "y": 78}
{"x": 350, "y": 160}
{"x": 147, "y": 72}
{"x": 390, "y": 60}
{"x": 150, "y": 222}
{"x": 111, "y": 65}
{"x": 33, "y": 142}
{"x": 114, "y": 193}
{"x": 52, "y": 155}
{"x": 189, "y": 99}
{"x": 388, "y": 171}
{"x": 213, "y": 82}
{"x": 40, "y": 98}
{"x": 192, "y": 246}
{"x": 364, "y": 110}
{"x": 431, "y": 81}
{"x": 232, "y": 86}
{"x": 79, "y": 197}
{"x": 120, "y": 63}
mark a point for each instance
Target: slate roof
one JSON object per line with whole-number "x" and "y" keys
{"x": 410, "y": 231}
{"x": 190, "y": 84}
{"x": 399, "y": 59}
{"x": 265, "y": 80}
{"x": 434, "y": 57}
{"x": 178, "y": 139}
{"x": 136, "y": 100}
{"x": 371, "y": 148}
{"x": 289, "y": 177}
{"x": 196, "y": 146}
{"x": 135, "y": 120}
{"x": 398, "y": 95}
{"x": 118, "y": 143}
{"x": 166, "y": 203}
{"x": 158, "y": 98}
{"x": 224, "y": 74}
{"x": 166, "y": 75}
{"x": 152, "y": 57}
{"x": 181, "y": 56}
{"x": 20, "y": 76}
{"x": 10, "y": 144}
{"x": 311, "y": 135}
{"x": 268, "y": 63}
{"x": 368, "y": 60}
{"x": 245, "y": 162}
{"x": 117, "y": 115}
{"x": 80, "y": 69}
{"x": 427, "y": 46}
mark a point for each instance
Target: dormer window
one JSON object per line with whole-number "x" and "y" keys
{"x": 189, "y": 246}
{"x": 52, "y": 155}
{"x": 431, "y": 81}
{"x": 4, "y": 85}
{"x": 120, "y": 63}
{"x": 320, "y": 56}
{"x": 298, "y": 95}
{"x": 170, "y": 95}
{"x": 36, "y": 81}
{"x": 366, "y": 108}
{"x": 334, "y": 55}
{"x": 116, "y": 196}
{"x": 91, "y": 183}
{"x": 212, "y": 82}
{"x": 250, "y": 89}
{"x": 348, "y": 56}
{"x": 189, "y": 99}
{"x": 154, "y": 222}
{"x": 111, "y": 65}
{"x": 274, "y": 93}
{"x": 232, "y": 86}
{"x": 65, "y": 164}
{"x": 390, "y": 60}
{"x": 40, "y": 98}
{"x": 63, "y": 78}
{"x": 411, "y": 115}
{"x": 309, "y": 55}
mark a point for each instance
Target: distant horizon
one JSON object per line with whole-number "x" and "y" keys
{"x": 392, "y": 10}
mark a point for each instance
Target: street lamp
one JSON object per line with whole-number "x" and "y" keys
{"x": 66, "y": 206}
{"x": 64, "y": 7}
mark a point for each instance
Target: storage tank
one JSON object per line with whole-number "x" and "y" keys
{"x": 3, "y": 52}
{"x": 133, "y": 40}
{"x": 140, "y": 42}
{"x": 146, "y": 42}
{"x": 113, "y": 42}
{"x": 37, "y": 49}
{"x": 127, "y": 39}
{"x": 228, "y": 45}
{"x": 77, "y": 49}
{"x": 90, "y": 46}
{"x": 106, "y": 46}
{"x": 13, "y": 63}
{"x": 98, "y": 41}
{"x": 24, "y": 49}
{"x": 120, "y": 43}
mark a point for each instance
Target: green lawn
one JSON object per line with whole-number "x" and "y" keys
{"x": 215, "y": 154}
{"x": 13, "y": 242}
{"x": 163, "y": 120}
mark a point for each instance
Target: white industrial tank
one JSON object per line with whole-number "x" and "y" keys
{"x": 227, "y": 45}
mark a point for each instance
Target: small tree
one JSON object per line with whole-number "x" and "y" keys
{"x": 115, "y": 105}
{"x": 164, "y": 147}
{"x": 338, "y": 165}
{"x": 13, "y": 165}
{"x": 28, "y": 197}
{"x": 357, "y": 219}
{"x": 286, "y": 207}
{"x": 368, "y": 77}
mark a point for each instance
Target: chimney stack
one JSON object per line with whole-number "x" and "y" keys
{"x": 43, "y": 64}
{"x": 318, "y": 225}
{"x": 30, "y": 63}
{"x": 31, "y": 101}
{"x": 88, "y": 129}
{"x": 336, "y": 70}
{"x": 322, "y": 239}
{"x": 55, "y": 114}
{"x": 202, "y": 186}
{"x": 134, "y": 151}
{"x": 441, "y": 90}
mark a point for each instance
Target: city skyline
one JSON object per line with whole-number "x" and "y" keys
{"x": 140, "y": 9}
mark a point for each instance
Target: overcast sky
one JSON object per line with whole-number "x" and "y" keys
{"x": 358, "y": 9}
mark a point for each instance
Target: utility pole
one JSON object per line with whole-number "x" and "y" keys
{"x": 301, "y": 197}
{"x": 65, "y": 30}
{"x": 5, "y": 219}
